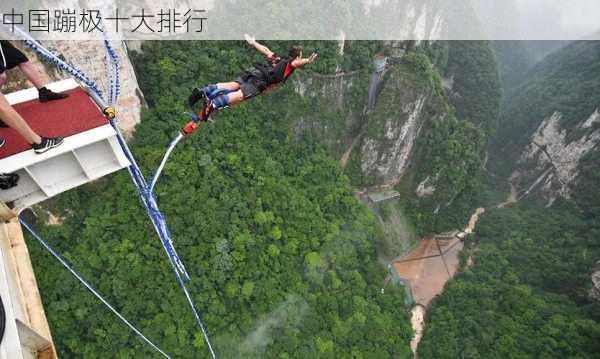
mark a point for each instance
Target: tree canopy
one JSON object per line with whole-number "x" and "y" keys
{"x": 282, "y": 256}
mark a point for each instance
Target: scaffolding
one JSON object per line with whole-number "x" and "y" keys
{"x": 27, "y": 334}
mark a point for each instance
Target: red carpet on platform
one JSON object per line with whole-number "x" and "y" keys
{"x": 67, "y": 117}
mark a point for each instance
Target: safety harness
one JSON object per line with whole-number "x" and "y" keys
{"x": 278, "y": 71}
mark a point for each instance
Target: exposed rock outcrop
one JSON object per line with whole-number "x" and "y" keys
{"x": 378, "y": 142}
{"x": 595, "y": 291}
{"x": 549, "y": 164}
{"x": 426, "y": 187}
{"x": 340, "y": 100}
{"x": 593, "y": 120}
{"x": 386, "y": 157}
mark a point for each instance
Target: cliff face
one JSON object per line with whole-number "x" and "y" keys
{"x": 386, "y": 151}
{"x": 89, "y": 56}
{"x": 376, "y": 143}
{"x": 338, "y": 102}
{"x": 409, "y": 99}
{"x": 548, "y": 143}
{"x": 549, "y": 164}
{"x": 595, "y": 290}
{"x": 357, "y": 19}
{"x": 412, "y": 19}
{"x": 394, "y": 127}
{"x": 550, "y": 126}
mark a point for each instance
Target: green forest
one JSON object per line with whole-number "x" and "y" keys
{"x": 527, "y": 293}
{"x": 562, "y": 82}
{"x": 283, "y": 257}
{"x": 525, "y": 297}
{"x": 285, "y": 261}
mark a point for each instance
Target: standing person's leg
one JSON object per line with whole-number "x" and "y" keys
{"x": 10, "y": 117}
{"x": 37, "y": 79}
{"x": 33, "y": 75}
{"x": 39, "y": 144}
{"x": 13, "y": 57}
{"x": 2, "y": 82}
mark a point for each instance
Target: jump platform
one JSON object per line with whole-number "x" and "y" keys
{"x": 90, "y": 151}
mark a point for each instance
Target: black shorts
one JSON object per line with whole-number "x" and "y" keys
{"x": 13, "y": 57}
{"x": 251, "y": 84}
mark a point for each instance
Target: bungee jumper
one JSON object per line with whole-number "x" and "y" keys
{"x": 263, "y": 77}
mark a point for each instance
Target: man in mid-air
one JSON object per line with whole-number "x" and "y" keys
{"x": 261, "y": 78}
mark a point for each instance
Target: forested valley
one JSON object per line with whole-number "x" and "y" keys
{"x": 529, "y": 293}
{"x": 286, "y": 262}
{"x": 282, "y": 256}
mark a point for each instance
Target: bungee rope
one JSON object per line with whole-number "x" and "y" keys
{"x": 164, "y": 160}
{"x": 113, "y": 59}
{"x": 52, "y": 58}
{"x": 48, "y": 248}
{"x": 144, "y": 191}
{"x": 187, "y": 130}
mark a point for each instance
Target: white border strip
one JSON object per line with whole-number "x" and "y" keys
{"x": 32, "y": 93}
{"x": 24, "y": 159}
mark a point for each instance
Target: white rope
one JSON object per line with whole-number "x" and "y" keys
{"x": 3, "y": 58}
{"x": 164, "y": 161}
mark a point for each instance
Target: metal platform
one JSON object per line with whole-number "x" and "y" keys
{"x": 90, "y": 150}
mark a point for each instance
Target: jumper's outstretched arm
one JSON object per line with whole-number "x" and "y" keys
{"x": 298, "y": 63}
{"x": 261, "y": 48}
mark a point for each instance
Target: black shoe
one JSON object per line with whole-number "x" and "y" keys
{"x": 197, "y": 95}
{"x": 2, "y": 142}
{"x": 8, "y": 180}
{"x": 47, "y": 95}
{"x": 47, "y": 144}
